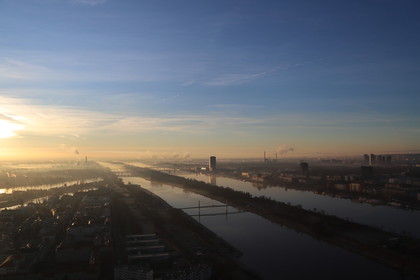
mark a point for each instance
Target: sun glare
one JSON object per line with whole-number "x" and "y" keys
{"x": 7, "y": 129}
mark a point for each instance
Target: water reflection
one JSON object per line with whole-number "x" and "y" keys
{"x": 213, "y": 180}
{"x": 273, "y": 251}
{"x": 381, "y": 216}
{"x": 48, "y": 186}
{"x": 45, "y": 198}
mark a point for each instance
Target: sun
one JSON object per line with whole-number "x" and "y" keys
{"x": 7, "y": 128}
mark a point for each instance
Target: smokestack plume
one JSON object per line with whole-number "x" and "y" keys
{"x": 284, "y": 149}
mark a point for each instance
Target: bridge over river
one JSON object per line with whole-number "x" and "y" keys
{"x": 199, "y": 207}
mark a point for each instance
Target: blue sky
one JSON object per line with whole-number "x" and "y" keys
{"x": 193, "y": 78}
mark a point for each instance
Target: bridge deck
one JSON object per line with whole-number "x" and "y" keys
{"x": 205, "y": 206}
{"x": 217, "y": 214}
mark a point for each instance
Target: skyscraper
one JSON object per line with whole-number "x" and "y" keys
{"x": 372, "y": 159}
{"x": 366, "y": 159}
{"x": 304, "y": 166}
{"x": 212, "y": 163}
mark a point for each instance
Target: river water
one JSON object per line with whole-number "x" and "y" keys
{"x": 381, "y": 216}
{"x": 45, "y": 198}
{"x": 48, "y": 186}
{"x": 272, "y": 250}
{"x": 45, "y": 187}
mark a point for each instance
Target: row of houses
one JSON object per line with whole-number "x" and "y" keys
{"x": 28, "y": 235}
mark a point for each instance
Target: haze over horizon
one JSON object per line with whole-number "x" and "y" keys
{"x": 188, "y": 79}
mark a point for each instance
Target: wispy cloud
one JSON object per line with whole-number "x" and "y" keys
{"x": 189, "y": 83}
{"x": 21, "y": 70}
{"x": 89, "y": 2}
{"x": 146, "y": 66}
{"x": 93, "y": 66}
{"x": 34, "y": 119}
{"x": 242, "y": 78}
{"x": 38, "y": 119}
{"x": 236, "y": 107}
{"x": 9, "y": 119}
{"x": 47, "y": 120}
{"x": 235, "y": 79}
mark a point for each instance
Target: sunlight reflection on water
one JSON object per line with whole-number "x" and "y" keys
{"x": 48, "y": 186}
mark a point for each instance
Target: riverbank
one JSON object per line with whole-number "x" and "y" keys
{"x": 191, "y": 239}
{"x": 22, "y": 197}
{"x": 378, "y": 245}
{"x": 360, "y": 197}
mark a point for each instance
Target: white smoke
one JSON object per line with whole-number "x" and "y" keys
{"x": 284, "y": 149}
{"x": 69, "y": 149}
{"x": 182, "y": 156}
{"x": 163, "y": 155}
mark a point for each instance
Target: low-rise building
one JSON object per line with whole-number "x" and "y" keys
{"x": 355, "y": 187}
{"x": 340, "y": 187}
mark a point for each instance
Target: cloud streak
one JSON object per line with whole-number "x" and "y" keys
{"x": 34, "y": 119}
{"x": 89, "y": 2}
{"x": 21, "y": 70}
{"x": 88, "y": 66}
{"x": 47, "y": 120}
{"x": 235, "y": 79}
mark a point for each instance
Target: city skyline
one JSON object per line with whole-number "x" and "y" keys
{"x": 181, "y": 79}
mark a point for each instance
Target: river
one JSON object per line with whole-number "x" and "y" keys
{"x": 381, "y": 216}
{"x": 45, "y": 187}
{"x": 272, "y": 250}
{"x": 10, "y": 190}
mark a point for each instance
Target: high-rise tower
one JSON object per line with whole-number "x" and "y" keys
{"x": 212, "y": 163}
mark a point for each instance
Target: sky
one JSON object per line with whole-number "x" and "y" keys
{"x": 189, "y": 79}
